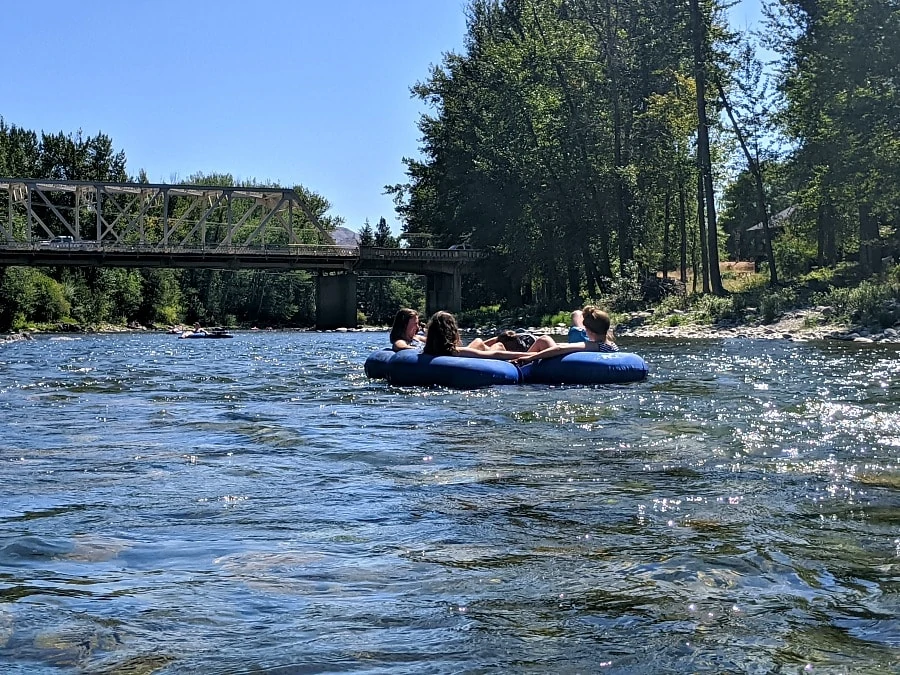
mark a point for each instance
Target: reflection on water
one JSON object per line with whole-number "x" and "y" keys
{"x": 191, "y": 506}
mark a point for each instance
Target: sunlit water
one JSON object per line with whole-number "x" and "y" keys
{"x": 257, "y": 505}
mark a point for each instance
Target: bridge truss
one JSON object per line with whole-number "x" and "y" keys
{"x": 156, "y": 215}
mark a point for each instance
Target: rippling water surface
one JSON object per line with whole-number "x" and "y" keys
{"x": 257, "y": 505}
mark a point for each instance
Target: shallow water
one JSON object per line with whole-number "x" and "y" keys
{"x": 257, "y": 505}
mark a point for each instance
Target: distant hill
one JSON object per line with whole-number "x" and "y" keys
{"x": 345, "y": 237}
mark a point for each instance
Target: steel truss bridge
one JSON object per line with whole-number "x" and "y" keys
{"x": 84, "y": 223}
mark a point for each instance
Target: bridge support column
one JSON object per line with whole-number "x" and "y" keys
{"x": 443, "y": 291}
{"x": 335, "y": 301}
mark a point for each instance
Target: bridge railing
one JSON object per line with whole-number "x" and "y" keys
{"x": 294, "y": 250}
{"x": 372, "y": 253}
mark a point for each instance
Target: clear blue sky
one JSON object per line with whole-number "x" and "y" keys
{"x": 294, "y": 91}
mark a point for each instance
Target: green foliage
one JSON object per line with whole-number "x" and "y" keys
{"x": 367, "y": 235}
{"x": 28, "y": 295}
{"x": 382, "y": 237}
{"x": 49, "y": 300}
{"x": 488, "y": 315}
{"x": 711, "y": 309}
{"x": 625, "y": 292}
{"x": 812, "y": 320}
{"x": 380, "y": 296}
{"x": 671, "y": 303}
{"x": 840, "y": 107}
{"x": 556, "y": 143}
{"x": 870, "y": 302}
{"x": 555, "y": 319}
{"x": 794, "y": 253}
{"x": 561, "y": 140}
{"x": 774, "y": 302}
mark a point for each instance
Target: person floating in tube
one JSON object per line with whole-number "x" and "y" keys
{"x": 596, "y": 324}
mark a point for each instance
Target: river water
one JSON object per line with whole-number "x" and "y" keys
{"x": 257, "y": 505}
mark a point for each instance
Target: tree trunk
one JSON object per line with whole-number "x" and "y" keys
{"x": 666, "y": 216}
{"x": 574, "y": 127}
{"x": 590, "y": 269}
{"x": 701, "y": 227}
{"x": 712, "y": 244}
{"x": 621, "y": 193}
{"x": 682, "y": 229}
{"x": 755, "y": 169}
{"x": 697, "y": 272}
{"x": 623, "y": 226}
{"x": 829, "y": 234}
{"x": 566, "y": 199}
{"x": 574, "y": 278}
{"x": 869, "y": 241}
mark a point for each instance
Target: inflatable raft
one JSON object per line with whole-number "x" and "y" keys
{"x": 413, "y": 368}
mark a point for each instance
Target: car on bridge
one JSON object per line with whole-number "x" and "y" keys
{"x": 68, "y": 242}
{"x": 58, "y": 242}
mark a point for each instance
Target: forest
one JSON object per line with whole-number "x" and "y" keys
{"x": 596, "y": 150}
{"x": 588, "y": 144}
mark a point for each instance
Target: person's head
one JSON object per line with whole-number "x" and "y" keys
{"x": 406, "y": 324}
{"x": 578, "y": 318}
{"x": 442, "y": 335}
{"x": 511, "y": 341}
{"x": 596, "y": 321}
{"x": 196, "y": 325}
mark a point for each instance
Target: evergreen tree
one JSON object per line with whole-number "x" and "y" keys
{"x": 366, "y": 235}
{"x": 383, "y": 236}
{"x": 841, "y": 95}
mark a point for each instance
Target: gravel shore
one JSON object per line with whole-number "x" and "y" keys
{"x": 798, "y": 325}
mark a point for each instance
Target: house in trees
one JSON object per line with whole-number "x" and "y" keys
{"x": 753, "y": 242}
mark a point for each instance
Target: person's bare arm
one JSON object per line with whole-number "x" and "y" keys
{"x": 550, "y": 352}
{"x": 488, "y": 354}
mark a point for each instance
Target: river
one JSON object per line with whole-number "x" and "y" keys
{"x": 256, "y": 505}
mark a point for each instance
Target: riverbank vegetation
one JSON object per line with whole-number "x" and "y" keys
{"x": 834, "y": 297}
{"x": 612, "y": 152}
{"x": 589, "y": 146}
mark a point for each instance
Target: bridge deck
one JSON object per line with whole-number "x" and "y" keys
{"x": 91, "y": 253}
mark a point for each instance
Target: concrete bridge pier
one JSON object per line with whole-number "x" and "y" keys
{"x": 335, "y": 300}
{"x": 443, "y": 291}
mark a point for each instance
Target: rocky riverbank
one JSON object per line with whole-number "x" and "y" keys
{"x": 796, "y": 325}
{"x": 15, "y": 337}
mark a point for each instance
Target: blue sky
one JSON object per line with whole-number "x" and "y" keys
{"x": 294, "y": 91}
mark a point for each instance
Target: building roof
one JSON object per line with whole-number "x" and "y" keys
{"x": 778, "y": 220}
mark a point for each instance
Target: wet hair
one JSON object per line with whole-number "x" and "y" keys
{"x": 596, "y": 320}
{"x": 512, "y": 341}
{"x": 401, "y": 321}
{"x": 442, "y": 335}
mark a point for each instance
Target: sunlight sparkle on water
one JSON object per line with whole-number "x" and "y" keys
{"x": 740, "y": 486}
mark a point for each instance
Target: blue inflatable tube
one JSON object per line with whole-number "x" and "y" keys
{"x": 378, "y": 364}
{"x": 586, "y": 368}
{"x": 412, "y": 368}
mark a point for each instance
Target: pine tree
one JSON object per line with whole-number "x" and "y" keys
{"x": 367, "y": 235}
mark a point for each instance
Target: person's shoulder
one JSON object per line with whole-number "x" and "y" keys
{"x": 400, "y": 345}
